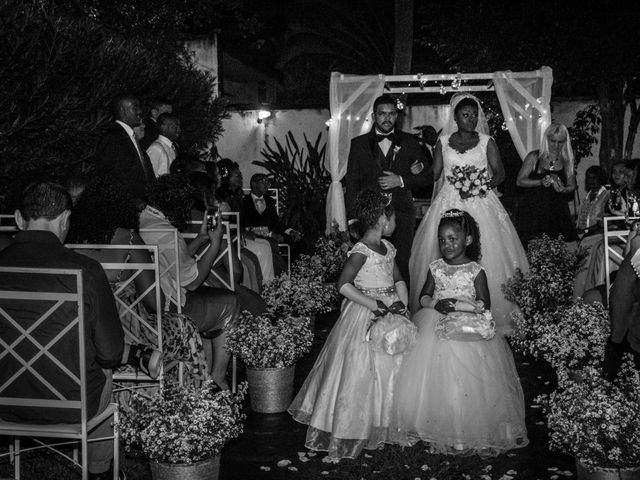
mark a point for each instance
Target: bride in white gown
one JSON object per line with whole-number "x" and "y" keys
{"x": 465, "y": 141}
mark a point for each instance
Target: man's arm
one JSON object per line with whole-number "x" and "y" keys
{"x": 422, "y": 179}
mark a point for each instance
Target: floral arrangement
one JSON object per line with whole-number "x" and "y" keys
{"x": 328, "y": 259}
{"x": 262, "y": 342}
{"x": 596, "y": 421}
{"x": 296, "y": 296}
{"x": 569, "y": 338}
{"x": 183, "y": 424}
{"x": 470, "y": 181}
{"x": 547, "y": 287}
{"x": 549, "y": 283}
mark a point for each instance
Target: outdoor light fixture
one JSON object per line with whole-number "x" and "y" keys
{"x": 263, "y": 114}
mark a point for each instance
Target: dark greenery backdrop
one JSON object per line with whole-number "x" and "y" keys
{"x": 59, "y": 70}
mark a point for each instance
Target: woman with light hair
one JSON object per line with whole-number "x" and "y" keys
{"x": 547, "y": 179}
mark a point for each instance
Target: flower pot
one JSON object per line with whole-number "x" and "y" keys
{"x": 597, "y": 473}
{"x": 270, "y": 389}
{"x": 208, "y": 469}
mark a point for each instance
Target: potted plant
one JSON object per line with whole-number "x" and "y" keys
{"x": 182, "y": 429}
{"x": 546, "y": 287}
{"x": 598, "y": 422}
{"x": 569, "y": 338}
{"x": 270, "y": 348}
{"x": 296, "y": 296}
{"x": 326, "y": 263}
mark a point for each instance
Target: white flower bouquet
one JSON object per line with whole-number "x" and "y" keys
{"x": 571, "y": 337}
{"x": 596, "y": 421}
{"x": 296, "y": 296}
{"x": 470, "y": 181}
{"x": 547, "y": 287}
{"x": 262, "y": 342}
{"x": 183, "y": 424}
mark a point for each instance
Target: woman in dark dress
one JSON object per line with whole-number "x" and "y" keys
{"x": 547, "y": 180}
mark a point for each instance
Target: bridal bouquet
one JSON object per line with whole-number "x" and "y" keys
{"x": 470, "y": 181}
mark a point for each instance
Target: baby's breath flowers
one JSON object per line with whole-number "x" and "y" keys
{"x": 266, "y": 342}
{"x": 183, "y": 424}
{"x": 596, "y": 421}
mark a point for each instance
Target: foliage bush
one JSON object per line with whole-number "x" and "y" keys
{"x": 584, "y": 130}
{"x": 60, "y": 72}
{"x": 303, "y": 181}
{"x": 547, "y": 287}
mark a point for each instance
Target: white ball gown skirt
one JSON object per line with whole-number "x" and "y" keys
{"x": 347, "y": 397}
{"x": 460, "y": 397}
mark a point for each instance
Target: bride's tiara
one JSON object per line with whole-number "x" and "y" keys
{"x": 453, "y": 214}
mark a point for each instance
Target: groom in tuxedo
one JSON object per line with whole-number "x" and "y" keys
{"x": 394, "y": 161}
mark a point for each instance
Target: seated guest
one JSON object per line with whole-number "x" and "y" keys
{"x": 162, "y": 152}
{"x": 592, "y": 274}
{"x": 107, "y": 214}
{"x": 624, "y": 310}
{"x": 256, "y": 253}
{"x": 43, "y": 219}
{"x": 592, "y": 208}
{"x": 212, "y": 309}
{"x": 261, "y": 213}
{"x": 230, "y": 192}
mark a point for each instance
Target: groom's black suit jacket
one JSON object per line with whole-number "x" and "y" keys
{"x": 366, "y": 164}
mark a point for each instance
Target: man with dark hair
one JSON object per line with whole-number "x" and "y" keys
{"x": 260, "y": 211}
{"x": 118, "y": 153}
{"x": 162, "y": 152}
{"x": 393, "y": 161}
{"x": 43, "y": 219}
{"x": 158, "y": 107}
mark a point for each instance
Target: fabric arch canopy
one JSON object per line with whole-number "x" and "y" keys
{"x": 524, "y": 98}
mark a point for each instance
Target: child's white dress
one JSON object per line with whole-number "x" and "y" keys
{"x": 459, "y": 396}
{"x": 347, "y": 398}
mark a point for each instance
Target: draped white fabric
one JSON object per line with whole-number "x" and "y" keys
{"x": 351, "y": 100}
{"x": 524, "y": 99}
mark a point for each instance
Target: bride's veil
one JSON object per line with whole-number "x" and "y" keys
{"x": 451, "y": 126}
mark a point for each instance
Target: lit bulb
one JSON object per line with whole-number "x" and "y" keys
{"x": 328, "y": 122}
{"x": 262, "y": 114}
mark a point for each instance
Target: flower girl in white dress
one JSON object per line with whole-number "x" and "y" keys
{"x": 459, "y": 389}
{"x": 347, "y": 398}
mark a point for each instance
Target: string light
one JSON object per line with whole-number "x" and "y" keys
{"x": 457, "y": 81}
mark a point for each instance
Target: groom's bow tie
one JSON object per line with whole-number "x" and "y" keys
{"x": 382, "y": 136}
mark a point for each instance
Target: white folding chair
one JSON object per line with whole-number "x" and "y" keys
{"x": 43, "y": 353}
{"x": 149, "y": 332}
{"x": 613, "y": 239}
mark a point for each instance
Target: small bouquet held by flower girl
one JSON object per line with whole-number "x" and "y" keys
{"x": 470, "y": 181}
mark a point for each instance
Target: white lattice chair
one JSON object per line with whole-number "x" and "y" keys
{"x": 43, "y": 435}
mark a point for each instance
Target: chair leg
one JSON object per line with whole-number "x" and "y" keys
{"x": 116, "y": 445}
{"x": 16, "y": 458}
{"x": 85, "y": 458}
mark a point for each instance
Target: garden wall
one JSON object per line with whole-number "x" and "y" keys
{"x": 244, "y": 137}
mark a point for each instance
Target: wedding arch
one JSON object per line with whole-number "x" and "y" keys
{"x": 524, "y": 98}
